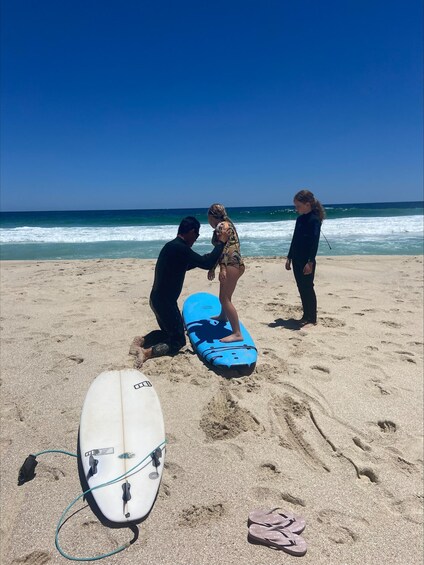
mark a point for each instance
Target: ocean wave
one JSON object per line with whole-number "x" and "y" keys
{"x": 351, "y": 228}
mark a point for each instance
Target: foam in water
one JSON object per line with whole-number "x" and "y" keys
{"x": 335, "y": 228}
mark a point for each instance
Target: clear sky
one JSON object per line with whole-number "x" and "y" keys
{"x": 143, "y": 104}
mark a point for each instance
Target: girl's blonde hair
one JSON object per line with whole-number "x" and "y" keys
{"x": 306, "y": 196}
{"x": 218, "y": 211}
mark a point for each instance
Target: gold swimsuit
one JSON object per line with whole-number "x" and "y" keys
{"x": 231, "y": 253}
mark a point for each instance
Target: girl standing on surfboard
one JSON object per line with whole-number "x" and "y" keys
{"x": 231, "y": 267}
{"x": 303, "y": 249}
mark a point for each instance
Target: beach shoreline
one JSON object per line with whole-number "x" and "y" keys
{"x": 265, "y": 231}
{"x": 329, "y": 425}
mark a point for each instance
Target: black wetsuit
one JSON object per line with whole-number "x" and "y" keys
{"x": 303, "y": 249}
{"x": 175, "y": 259}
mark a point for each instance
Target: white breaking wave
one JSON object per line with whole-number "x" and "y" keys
{"x": 365, "y": 228}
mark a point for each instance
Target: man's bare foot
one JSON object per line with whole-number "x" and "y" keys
{"x": 231, "y": 338}
{"x": 219, "y": 318}
{"x": 140, "y": 359}
{"x": 136, "y": 345}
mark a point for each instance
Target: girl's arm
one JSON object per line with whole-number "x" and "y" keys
{"x": 315, "y": 230}
{"x": 224, "y": 226}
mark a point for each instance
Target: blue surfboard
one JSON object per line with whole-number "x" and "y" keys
{"x": 205, "y": 334}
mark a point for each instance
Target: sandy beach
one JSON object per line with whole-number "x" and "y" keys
{"x": 329, "y": 425}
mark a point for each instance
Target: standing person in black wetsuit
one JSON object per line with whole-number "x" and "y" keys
{"x": 175, "y": 259}
{"x": 303, "y": 250}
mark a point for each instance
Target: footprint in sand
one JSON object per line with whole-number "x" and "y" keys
{"x": 33, "y": 558}
{"x": 98, "y": 533}
{"x": 201, "y": 515}
{"x": 54, "y": 472}
{"x": 269, "y": 470}
{"x": 369, "y": 474}
{"x": 390, "y": 324}
{"x": 223, "y": 418}
{"x": 320, "y": 368}
{"x": 287, "y": 497}
{"x": 382, "y": 389}
{"x": 62, "y": 337}
{"x": 342, "y": 528}
{"x": 410, "y": 508}
{"x": 271, "y": 497}
{"x": 76, "y": 358}
{"x": 359, "y": 443}
{"x": 5, "y": 443}
{"x": 172, "y": 471}
{"x": 331, "y": 323}
{"x": 406, "y": 466}
{"x": 387, "y": 426}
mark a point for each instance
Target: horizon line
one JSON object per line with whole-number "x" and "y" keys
{"x": 420, "y": 202}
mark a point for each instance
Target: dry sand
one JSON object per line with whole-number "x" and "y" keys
{"x": 329, "y": 425}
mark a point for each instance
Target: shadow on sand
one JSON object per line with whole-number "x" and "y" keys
{"x": 289, "y": 324}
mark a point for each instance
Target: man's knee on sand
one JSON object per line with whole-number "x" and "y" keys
{"x": 170, "y": 347}
{"x": 161, "y": 349}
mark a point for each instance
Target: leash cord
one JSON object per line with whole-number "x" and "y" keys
{"x": 62, "y": 518}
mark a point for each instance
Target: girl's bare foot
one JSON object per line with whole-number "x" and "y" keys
{"x": 231, "y": 338}
{"x": 220, "y": 318}
{"x": 136, "y": 345}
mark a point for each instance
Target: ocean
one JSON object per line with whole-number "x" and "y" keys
{"x": 391, "y": 228}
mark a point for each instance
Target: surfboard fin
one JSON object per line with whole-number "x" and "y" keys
{"x": 126, "y": 496}
{"x": 93, "y": 466}
{"x": 27, "y": 471}
{"x": 156, "y": 455}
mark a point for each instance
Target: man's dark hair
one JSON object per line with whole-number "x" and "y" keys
{"x": 187, "y": 224}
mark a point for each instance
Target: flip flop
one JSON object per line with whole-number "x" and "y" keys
{"x": 287, "y": 520}
{"x": 278, "y": 538}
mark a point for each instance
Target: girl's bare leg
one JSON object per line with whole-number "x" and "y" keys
{"x": 226, "y": 290}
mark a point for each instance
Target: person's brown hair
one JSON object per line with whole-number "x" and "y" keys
{"x": 306, "y": 196}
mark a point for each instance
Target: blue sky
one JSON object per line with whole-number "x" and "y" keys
{"x": 137, "y": 104}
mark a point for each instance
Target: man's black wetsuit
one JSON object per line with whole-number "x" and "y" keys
{"x": 303, "y": 249}
{"x": 175, "y": 259}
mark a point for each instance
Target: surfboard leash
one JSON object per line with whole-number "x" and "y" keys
{"x": 27, "y": 473}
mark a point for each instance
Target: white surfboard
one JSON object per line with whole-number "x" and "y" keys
{"x": 122, "y": 439}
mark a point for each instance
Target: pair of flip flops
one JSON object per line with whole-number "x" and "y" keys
{"x": 279, "y": 530}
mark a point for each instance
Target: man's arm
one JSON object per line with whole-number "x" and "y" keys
{"x": 207, "y": 261}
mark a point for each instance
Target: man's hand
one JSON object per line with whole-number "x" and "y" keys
{"x": 288, "y": 264}
{"x": 211, "y": 274}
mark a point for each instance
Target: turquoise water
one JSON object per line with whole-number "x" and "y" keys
{"x": 350, "y": 229}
